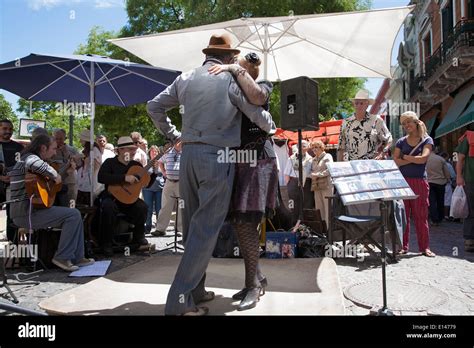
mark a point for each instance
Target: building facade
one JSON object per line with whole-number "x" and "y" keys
{"x": 437, "y": 63}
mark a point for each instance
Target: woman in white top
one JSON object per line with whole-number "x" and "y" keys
{"x": 85, "y": 183}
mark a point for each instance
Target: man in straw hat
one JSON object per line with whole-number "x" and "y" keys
{"x": 363, "y": 136}
{"x": 211, "y": 107}
{"x": 114, "y": 172}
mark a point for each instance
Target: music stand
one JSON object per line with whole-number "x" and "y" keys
{"x": 174, "y": 245}
{"x": 366, "y": 181}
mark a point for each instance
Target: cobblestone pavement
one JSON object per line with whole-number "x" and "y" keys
{"x": 451, "y": 272}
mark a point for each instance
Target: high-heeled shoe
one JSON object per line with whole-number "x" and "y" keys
{"x": 251, "y": 299}
{"x": 241, "y": 294}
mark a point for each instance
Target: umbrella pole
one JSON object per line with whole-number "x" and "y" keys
{"x": 71, "y": 128}
{"x": 92, "y": 91}
{"x": 265, "y": 54}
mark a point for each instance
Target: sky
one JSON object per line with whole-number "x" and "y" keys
{"x": 59, "y": 26}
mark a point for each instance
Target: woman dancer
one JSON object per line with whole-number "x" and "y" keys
{"x": 256, "y": 186}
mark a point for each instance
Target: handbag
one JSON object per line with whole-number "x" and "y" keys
{"x": 319, "y": 183}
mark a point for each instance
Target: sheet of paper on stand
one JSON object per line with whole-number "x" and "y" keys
{"x": 369, "y": 180}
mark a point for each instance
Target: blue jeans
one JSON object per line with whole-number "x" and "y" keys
{"x": 152, "y": 199}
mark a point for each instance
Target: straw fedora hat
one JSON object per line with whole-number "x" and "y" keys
{"x": 363, "y": 94}
{"x": 125, "y": 142}
{"x": 220, "y": 44}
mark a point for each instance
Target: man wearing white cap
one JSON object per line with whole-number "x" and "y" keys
{"x": 114, "y": 172}
{"x": 363, "y": 137}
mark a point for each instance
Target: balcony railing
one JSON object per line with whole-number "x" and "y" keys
{"x": 462, "y": 35}
{"x": 416, "y": 85}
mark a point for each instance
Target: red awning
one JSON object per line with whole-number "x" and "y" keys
{"x": 328, "y": 133}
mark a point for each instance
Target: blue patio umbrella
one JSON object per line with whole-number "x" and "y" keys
{"x": 84, "y": 78}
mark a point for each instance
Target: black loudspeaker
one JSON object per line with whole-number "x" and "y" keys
{"x": 299, "y": 104}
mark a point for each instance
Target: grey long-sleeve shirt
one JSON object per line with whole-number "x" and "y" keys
{"x": 211, "y": 107}
{"x": 29, "y": 163}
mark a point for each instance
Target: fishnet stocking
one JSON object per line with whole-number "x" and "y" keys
{"x": 247, "y": 234}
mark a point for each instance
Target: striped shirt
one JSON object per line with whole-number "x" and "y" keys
{"x": 171, "y": 163}
{"x": 31, "y": 163}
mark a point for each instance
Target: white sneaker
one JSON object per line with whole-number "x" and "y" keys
{"x": 65, "y": 265}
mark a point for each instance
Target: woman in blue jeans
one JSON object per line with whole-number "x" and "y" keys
{"x": 152, "y": 193}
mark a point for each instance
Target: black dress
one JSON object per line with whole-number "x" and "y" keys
{"x": 255, "y": 189}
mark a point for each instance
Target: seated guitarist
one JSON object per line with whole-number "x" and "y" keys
{"x": 70, "y": 253}
{"x": 114, "y": 172}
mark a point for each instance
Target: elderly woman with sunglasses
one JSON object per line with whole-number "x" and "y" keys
{"x": 255, "y": 188}
{"x": 411, "y": 154}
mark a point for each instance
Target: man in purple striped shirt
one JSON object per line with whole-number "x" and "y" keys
{"x": 169, "y": 166}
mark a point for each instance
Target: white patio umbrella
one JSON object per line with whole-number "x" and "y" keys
{"x": 346, "y": 44}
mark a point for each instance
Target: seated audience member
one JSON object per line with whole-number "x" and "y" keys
{"x": 70, "y": 253}
{"x": 114, "y": 172}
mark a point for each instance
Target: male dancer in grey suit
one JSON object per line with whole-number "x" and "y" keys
{"x": 211, "y": 107}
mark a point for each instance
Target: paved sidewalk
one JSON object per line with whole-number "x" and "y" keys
{"x": 451, "y": 272}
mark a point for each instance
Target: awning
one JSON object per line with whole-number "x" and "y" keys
{"x": 459, "y": 114}
{"x": 429, "y": 124}
{"x": 328, "y": 133}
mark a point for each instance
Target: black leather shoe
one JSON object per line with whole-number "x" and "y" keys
{"x": 251, "y": 299}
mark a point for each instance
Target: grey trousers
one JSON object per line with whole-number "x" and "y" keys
{"x": 71, "y": 242}
{"x": 468, "y": 226}
{"x": 206, "y": 188}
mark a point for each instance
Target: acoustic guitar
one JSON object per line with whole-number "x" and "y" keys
{"x": 128, "y": 193}
{"x": 43, "y": 190}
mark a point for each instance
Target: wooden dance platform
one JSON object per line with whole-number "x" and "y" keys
{"x": 296, "y": 287}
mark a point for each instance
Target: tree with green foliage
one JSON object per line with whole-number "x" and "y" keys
{"x": 56, "y": 115}
{"x": 6, "y": 111}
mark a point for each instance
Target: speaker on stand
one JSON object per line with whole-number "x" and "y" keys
{"x": 300, "y": 111}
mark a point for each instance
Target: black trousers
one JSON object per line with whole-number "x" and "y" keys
{"x": 11, "y": 231}
{"x": 436, "y": 202}
{"x": 135, "y": 214}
